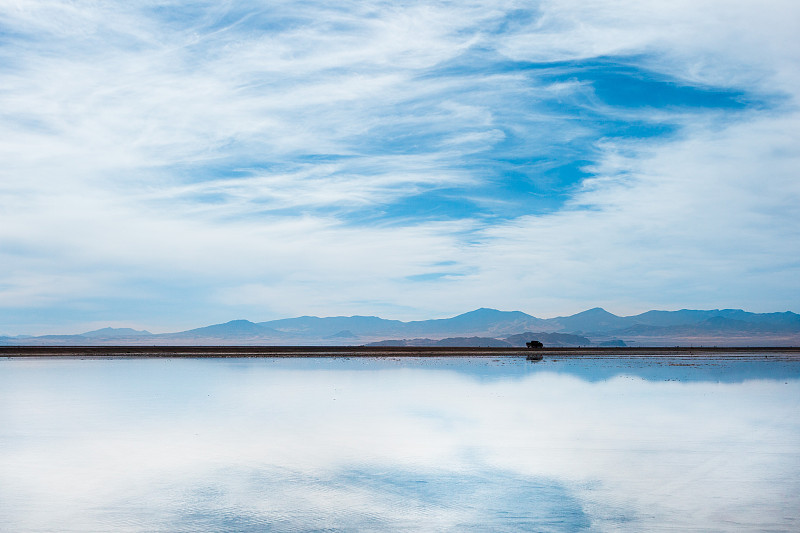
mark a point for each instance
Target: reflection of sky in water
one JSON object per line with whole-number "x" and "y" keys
{"x": 364, "y": 444}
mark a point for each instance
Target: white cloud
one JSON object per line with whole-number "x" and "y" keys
{"x": 718, "y": 42}
{"x": 703, "y": 221}
{"x": 139, "y": 149}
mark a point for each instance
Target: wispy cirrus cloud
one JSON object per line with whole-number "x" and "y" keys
{"x": 327, "y": 157}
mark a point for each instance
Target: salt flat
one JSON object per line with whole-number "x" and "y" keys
{"x": 400, "y": 443}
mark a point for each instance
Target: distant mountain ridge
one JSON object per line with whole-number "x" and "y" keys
{"x": 591, "y": 327}
{"x": 484, "y": 320}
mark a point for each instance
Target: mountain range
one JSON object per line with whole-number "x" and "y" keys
{"x": 482, "y": 327}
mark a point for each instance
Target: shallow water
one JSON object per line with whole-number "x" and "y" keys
{"x": 457, "y": 444}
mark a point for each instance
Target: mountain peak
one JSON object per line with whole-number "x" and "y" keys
{"x": 595, "y": 311}
{"x": 591, "y": 320}
{"x": 480, "y": 312}
{"x": 484, "y": 312}
{"x": 116, "y": 332}
{"x": 233, "y": 327}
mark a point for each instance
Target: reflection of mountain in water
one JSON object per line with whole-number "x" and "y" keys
{"x": 697, "y": 368}
{"x": 692, "y": 369}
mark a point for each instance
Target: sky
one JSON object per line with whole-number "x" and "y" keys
{"x": 167, "y": 165}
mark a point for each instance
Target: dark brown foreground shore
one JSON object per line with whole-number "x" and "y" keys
{"x": 381, "y": 351}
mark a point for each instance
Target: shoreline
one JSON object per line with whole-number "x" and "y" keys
{"x": 792, "y": 352}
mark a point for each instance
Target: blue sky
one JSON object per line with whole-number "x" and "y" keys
{"x": 173, "y": 164}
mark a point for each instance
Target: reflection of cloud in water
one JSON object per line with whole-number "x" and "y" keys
{"x": 145, "y": 445}
{"x": 376, "y": 501}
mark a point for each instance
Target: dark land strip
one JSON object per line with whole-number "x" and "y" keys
{"x": 386, "y": 351}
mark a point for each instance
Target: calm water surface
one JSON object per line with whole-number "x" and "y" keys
{"x": 461, "y": 444}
